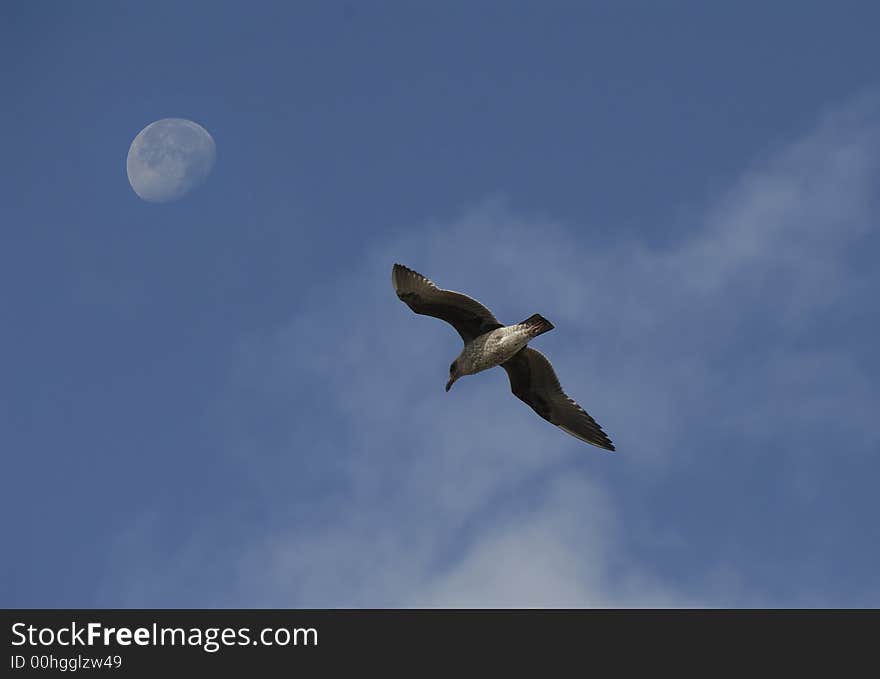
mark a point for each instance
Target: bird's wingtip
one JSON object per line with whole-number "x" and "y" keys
{"x": 604, "y": 442}
{"x": 398, "y": 274}
{"x": 605, "y": 445}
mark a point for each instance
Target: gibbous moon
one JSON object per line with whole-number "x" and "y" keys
{"x": 169, "y": 158}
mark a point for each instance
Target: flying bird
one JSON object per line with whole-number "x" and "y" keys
{"x": 488, "y": 343}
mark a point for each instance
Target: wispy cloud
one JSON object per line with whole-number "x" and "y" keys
{"x": 397, "y": 494}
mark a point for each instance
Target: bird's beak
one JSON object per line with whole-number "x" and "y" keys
{"x": 449, "y": 383}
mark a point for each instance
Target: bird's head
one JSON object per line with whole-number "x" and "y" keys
{"x": 454, "y": 374}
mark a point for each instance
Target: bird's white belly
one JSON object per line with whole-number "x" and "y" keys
{"x": 496, "y": 347}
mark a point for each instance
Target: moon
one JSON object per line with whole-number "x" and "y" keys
{"x": 169, "y": 158}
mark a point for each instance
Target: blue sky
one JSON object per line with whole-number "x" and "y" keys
{"x": 219, "y": 401}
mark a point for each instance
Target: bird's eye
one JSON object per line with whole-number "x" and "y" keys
{"x": 452, "y": 368}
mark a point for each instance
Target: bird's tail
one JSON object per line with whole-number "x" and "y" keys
{"x": 536, "y": 325}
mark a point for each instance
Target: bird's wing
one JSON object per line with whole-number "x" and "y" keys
{"x": 533, "y": 380}
{"x": 465, "y": 314}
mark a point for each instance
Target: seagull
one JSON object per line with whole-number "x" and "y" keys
{"x": 488, "y": 343}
